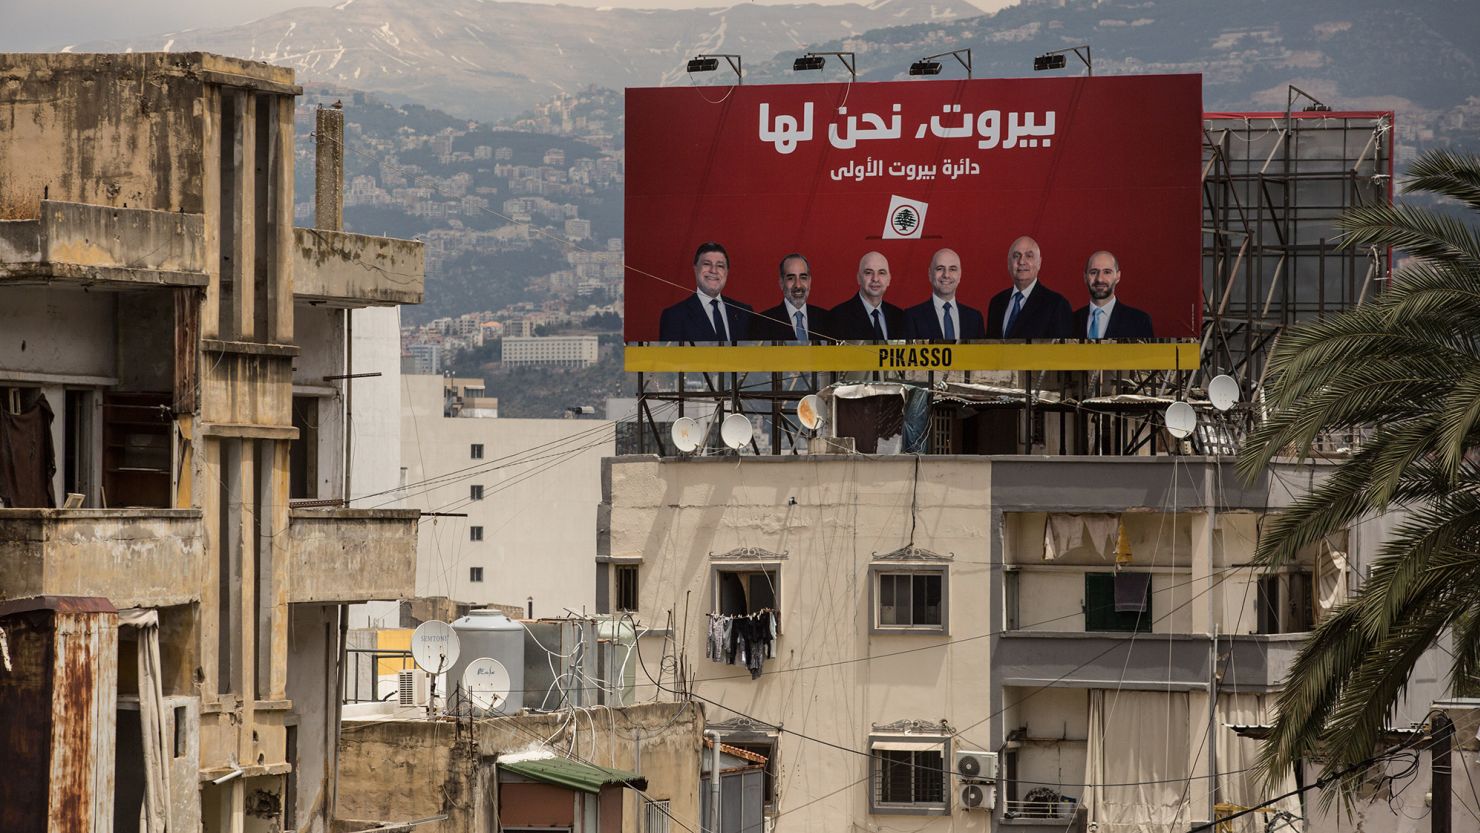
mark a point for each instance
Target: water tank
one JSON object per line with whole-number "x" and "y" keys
{"x": 489, "y": 634}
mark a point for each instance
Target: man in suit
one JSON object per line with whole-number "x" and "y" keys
{"x": 1105, "y": 316}
{"x": 1028, "y": 309}
{"x": 867, "y": 316}
{"x": 943, "y": 318}
{"x": 707, "y": 315}
{"x": 794, "y": 319}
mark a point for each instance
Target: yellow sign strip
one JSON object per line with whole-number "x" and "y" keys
{"x": 796, "y": 358}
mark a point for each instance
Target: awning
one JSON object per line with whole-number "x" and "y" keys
{"x": 588, "y": 778}
{"x": 936, "y": 745}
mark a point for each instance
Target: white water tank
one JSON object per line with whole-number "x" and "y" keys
{"x": 489, "y": 634}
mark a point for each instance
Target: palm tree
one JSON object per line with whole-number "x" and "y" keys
{"x": 1405, "y": 370}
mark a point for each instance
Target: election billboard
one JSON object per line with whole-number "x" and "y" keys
{"x": 975, "y": 224}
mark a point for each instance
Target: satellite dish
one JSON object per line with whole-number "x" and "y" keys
{"x": 1223, "y": 390}
{"x": 485, "y": 682}
{"x": 1181, "y": 419}
{"x": 434, "y": 646}
{"x": 809, "y": 411}
{"x": 736, "y": 430}
{"x": 685, "y": 433}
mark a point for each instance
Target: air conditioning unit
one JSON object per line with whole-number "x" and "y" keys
{"x": 975, "y": 765}
{"x": 976, "y": 787}
{"x": 410, "y": 688}
{"x": 976, "y": 795}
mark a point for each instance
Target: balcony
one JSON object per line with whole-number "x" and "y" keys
{"x": 355, "y": 270}
{"x": 352, "y": 555}
{"x": 1143, "y": 660}
{"x": 132, "y": 557}
{"x": 99, "y": 244}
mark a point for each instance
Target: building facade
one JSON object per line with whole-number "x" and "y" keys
{"x": 177, "y": 353}
{"x": 550, "y": 351}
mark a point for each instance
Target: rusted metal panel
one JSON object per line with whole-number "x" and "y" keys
{"x": 60, "y": 701}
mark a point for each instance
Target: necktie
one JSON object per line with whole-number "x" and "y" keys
{"x": 1012, "y": 314}
{"x": 878, "y": 327}
{"x": 801, "y": 329}
{"x": 720, "y": 333}
{"x": 1094, "y": 323}
{"x": 950, "y": 325}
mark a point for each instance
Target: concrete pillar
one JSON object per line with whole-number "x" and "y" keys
{"x": 329, "y": 170}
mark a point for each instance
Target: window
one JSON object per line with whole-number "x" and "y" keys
{"x": 475, "y": 574}
{"x": 909, "y": 598}
{"x": 908, "y": 775}
{"x": 475, "y": 492}
{"x": 475, "y": 451}
{"x": 746, "y": 590}
{"x": 627, "y": 587}
{"x": 1117, "y": 602}
{"x": 475, "y": 533}
{"x": 1285, "y": 603}
{"x": 655, "y": 816}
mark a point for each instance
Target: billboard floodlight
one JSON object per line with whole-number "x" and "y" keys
{"x": 929, "y": 65}
{"x": 710, "y": 63}
{"x": 1059, "y": 58}
{"x": 1043, "y": 62}
{"x": 808, "y": 62}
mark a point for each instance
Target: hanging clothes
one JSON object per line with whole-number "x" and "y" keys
{"x": 27, "y": 460}
{"x": 747, "y": 639}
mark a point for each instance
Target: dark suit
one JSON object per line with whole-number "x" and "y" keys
{"x": 921, "y": 322}
{"x": 850, "y": 321}
{"x": 689, "y": 320}
{"x": 1046, "y": 314}
{"x": 1125, "y": 322}
{"x": 775, "y": 324}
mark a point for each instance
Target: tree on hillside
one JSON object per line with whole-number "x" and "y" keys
{"x": 1404, "y": 370}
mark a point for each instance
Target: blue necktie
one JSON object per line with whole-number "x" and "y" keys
{"x": 1094, "y": 323}
{"x": 801, "y": 329}
{"x": 878, "y": 327}
{"x": 950, "y": 325}
{"x": 721, "y": 334}
{"x": 1012, "y": 314}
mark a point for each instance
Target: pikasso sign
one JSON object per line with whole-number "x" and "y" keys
{"x": 954, "y": 224}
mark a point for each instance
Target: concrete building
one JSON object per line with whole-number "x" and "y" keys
{"x": 550, "y": 351}
{"x": 1062, "y": 620}
{"x": 189, "y": 348}
{"x": 524, "y": 495}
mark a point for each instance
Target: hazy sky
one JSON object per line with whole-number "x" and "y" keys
{"x": 40, "y": 25}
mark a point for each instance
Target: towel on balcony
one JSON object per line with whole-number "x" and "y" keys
{"x": 1064, "y": 533}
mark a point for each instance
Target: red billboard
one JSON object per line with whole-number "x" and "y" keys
{"x": 1013, "y": 201}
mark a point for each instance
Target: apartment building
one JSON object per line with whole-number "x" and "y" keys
{"x": 550, "y": 351}
{"x": 1088, "y": 630}
{"x": 174, "y": 354}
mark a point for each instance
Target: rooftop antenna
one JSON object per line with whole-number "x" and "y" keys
{"x": 686, "y": 434}
{"x": 1181, "y": 420}
{"x": 1223, "y": 391}
{"x": 485, "y": 682}
{"x": 736, "y": 431}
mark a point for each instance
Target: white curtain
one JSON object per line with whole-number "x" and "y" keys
{"x": 1064, "y": 532}
{"x": 1237, "y": 756}
{"x": 1332, "y": 584}
{"x": 1136, "y": 761}
{"x": 155, "y": 815}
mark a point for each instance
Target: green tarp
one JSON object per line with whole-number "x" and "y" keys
{"x": 587, "y": 778}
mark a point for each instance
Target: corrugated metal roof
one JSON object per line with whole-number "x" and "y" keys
{"x": 576, "y": 775}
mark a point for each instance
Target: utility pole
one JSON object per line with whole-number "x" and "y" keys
{"x": 1441, "y": 731}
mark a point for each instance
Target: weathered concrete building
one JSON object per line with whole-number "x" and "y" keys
{"x": 632, "y": 768}
{"x": 171, "y": 354}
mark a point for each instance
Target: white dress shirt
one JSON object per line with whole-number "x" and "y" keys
{"x": 1089, "y": 320}
{"x": 1008, "y": 313}
{"x": 723, "y": 313}
{"x": 791, "y": 317}
{"x": 868, "y": 309}
{"x": 940, "y": 315}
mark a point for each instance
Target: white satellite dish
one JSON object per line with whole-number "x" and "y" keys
{"x": 434, "y": 646}
{"x": 809, "y": 411}
{"x": 1223, "y": 391}
{"x": 485, "y": 682}
{"x": 736, "y": 430}
{"x": 686, "y": 434}
{"x": 1181, "y": 420}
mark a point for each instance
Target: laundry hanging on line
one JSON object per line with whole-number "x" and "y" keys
{"x": 747, "y": 639}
